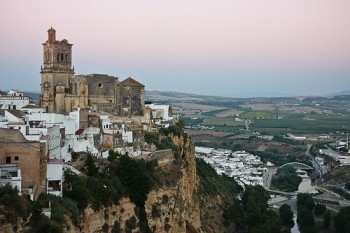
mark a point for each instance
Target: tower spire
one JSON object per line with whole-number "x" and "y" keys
{"x": 52, "y": 35}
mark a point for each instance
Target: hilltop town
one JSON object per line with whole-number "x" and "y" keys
{"x": 99, "y": 154}
{"x": 76, "y": 114}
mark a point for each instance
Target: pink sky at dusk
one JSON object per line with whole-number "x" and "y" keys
{"x": 214, "y": 47}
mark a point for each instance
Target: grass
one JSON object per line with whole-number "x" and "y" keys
{"x": 222, "y": 122}
{"x": 258, "y": 114}
{"x": 300, "y": 124}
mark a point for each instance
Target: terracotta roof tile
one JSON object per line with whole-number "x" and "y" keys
{"x": 79, "y": 131}
{"x": 132, "y": 82}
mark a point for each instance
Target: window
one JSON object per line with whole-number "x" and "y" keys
{"x": 58, "y": 58}
{"x": 16, "y": 158}
{"x": 99, "y": 85}
{"x": 8, "y": 159}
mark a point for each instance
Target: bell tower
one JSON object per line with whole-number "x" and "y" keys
{"x": 56, "y": 73}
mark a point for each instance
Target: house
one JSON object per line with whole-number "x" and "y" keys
{"x": 11, "y": 174}
{"x": 30, "y": 156}
{"x": 55, "y": 177}
{"x": 13, "y": 100}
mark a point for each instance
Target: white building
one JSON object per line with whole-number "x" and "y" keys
{"x": 13, "y": 100}
{"x": 163, "y": 112}
{"x": 11, "y": 174}
{"x": 54, "y": 184}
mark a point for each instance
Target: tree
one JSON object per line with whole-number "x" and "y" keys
{"x": 92, "y": 170}
{"x": 347, "y": 186}
{"x": 343, "y": 150}
{"x": 286, "y": 179}
{"x": 342, "y": 221}
{"x": 14, "y": 204}
{"x": 251, "y": 214}
{"x": 306, "y": 219}
{"x": 286, "y": 216}
{"x": 319, "y": 209}
{"x": 327, "y": 219}
{"x": 306, "y": 200}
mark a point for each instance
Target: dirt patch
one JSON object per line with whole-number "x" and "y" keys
{"x": 207, "y": 132}
{"x": 260, "y": 107}
{"x": 201, "y": 107}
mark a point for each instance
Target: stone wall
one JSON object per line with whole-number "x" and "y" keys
{"x": 29, "y": 155}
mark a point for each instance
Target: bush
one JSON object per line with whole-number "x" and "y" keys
{"x": 75, "y": 189}
{"x": 14, "y": 204}
{"x": 155, "y": 211}
{"x": 319, "y": 209}
{"x": 286, "y": 216}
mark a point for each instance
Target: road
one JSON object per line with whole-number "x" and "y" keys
{"x": 247, "y": 123}
{"x": 316, "y": 165}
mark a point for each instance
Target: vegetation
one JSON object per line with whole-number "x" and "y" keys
{"x": 327, "y": 217}
{"x": 320, "y": 209}
{"x": 342, "y": 221}
{"x": 347, "y": 186}
{"x": 286, "y": 216}
{"x": 341, "y": 192}
{"x": 212, "y": 183}
{"x": 301, "y": 124}
{"x": 162, "y": 141}
{"x": 286, "y": 179}
{"x": 278, "y": 159}
{"x": 13, "y": 205}
{"x": 306, "y": 219}
{"x": 338, "y": 175}
{"x": 251, "y": 214}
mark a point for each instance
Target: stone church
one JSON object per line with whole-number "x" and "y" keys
{"x": 63, "y": 92}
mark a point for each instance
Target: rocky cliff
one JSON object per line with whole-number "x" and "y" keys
{"x": 182, "y": 200}
{"x": 184, "y": 195}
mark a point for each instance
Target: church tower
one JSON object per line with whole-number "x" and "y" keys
{"x": 56, "y": 73}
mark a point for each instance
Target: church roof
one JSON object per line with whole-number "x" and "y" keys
{"x": 132, "y": 82}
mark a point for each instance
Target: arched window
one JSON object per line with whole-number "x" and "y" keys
{"x": 58, "y": 58}
{"x": 61, "y": 56}
{"x": 66, "y": 58}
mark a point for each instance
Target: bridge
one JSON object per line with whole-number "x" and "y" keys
{"x": 296, "y": 166}
{"x": 337, "y": 201}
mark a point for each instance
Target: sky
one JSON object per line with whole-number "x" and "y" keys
{"x": 229, "y": 47}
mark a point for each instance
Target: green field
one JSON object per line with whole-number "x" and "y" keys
{"x": 217, "y": 121}
{"x": 304, "y": 124}
{"x": 258, "y": 114}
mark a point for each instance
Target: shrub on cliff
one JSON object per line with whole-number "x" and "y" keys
{"x": 13, "y": 203}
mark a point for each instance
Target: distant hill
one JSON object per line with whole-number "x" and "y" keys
{"x": 345, "y": 92}
{"x": 35, "y": 96}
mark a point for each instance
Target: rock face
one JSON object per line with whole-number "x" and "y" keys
{"x": 109, "y": 219}
{"x": 174, "y": 208}
{"x": 170, "y": 207}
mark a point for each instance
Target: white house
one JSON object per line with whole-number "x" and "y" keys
{"x": 54, "y": 174}
{"x": 163, "y": 112}
{"x": 13, "y": 100}
{"x": 11, "y": 174}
